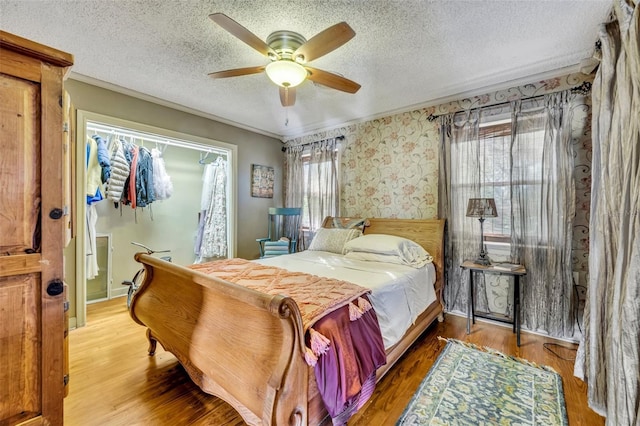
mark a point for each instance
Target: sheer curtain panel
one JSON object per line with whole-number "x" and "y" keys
{"x": 312, "y": 182}
{"x": 543, "y": 209}
{"x": 294, "y": 186}
{"x": 608, "y": 357}
{"x": 527, "y": 167}
{"x": 459, "y": 181}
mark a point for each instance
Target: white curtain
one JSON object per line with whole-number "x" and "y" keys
{"x": 608, "y": 357}
{"x": 312, "y": 182}
{"x": 543, "y": 209}
{"x": 294, "y": 176}
{"x": 459, "y": 181}
{"x": 294, "y": 188}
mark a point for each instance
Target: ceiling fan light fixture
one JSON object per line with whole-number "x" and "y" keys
{"x": 286, "y": 73}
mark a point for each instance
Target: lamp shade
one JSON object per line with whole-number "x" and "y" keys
{"x": 286, "y": 73}
{"x": 482, "y": 207}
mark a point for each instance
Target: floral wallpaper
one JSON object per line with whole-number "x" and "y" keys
{"x": 389, "y": 166}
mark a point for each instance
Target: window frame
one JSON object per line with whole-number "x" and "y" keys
{"x": 501, "y": 127}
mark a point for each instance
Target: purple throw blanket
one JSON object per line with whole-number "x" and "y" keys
{"x": 346, "y": 372}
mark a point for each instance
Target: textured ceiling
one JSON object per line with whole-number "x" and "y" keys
{"x": 405, "y": 53}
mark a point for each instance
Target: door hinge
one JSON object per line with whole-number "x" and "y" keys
{"x": 65, "y": 305}
{"x": 65, "y": 127}
{"x": 65, "y": 379}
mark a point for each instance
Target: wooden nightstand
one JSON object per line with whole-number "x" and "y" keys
{"x": 471, "y": 312}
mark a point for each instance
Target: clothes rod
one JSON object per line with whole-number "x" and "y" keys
{"x": 113, "y": 130}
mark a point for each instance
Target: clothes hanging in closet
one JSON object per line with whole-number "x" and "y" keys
{"x": 119, "y": 172}
{"x": 144, "y": 193}
{"x": 96, "y": 161}
{"x": 103, "y": 158}
{"x": 162, "y": 185}
{"x": 129, "y": 196}
{"x": 211, "y": 240}
{"x": 123, "y": 172}
{"x": 94, "y": 172}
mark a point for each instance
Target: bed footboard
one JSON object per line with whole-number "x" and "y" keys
{"x": 241, "y": 345}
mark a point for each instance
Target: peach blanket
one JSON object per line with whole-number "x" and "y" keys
{"x": 315, "y": 296}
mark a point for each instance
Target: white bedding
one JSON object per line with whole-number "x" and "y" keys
{"x": 399, "y": 294}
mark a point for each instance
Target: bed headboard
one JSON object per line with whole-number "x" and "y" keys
{"x": 429, "y": 233}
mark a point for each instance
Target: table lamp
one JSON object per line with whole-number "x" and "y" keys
{"x": 482, "y": 208}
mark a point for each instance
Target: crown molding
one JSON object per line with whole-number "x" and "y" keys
{"x": 138, "y": 95}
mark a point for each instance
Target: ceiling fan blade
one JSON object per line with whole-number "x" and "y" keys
{"x": 242, "y": 33}
{"x": 332, "y": 80}
{"x": 325, "y": 41}
{"x": 237, "y": 72}
{"x": 287, "y": 96}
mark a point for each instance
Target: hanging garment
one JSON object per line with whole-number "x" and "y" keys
{"x": 214, "y": 235}
{"x": 127, "y": 149}
{"x": 162, "y": 186}
{"x": 205, "y": 199}
{"x": 90, "y": 242}
{"x": 93, "y": 182}
{"x": 103, "y": 158}
{"x": 129, "y": 195}
{"x": 144, "y": 178}
{"x": 119, "y": 172}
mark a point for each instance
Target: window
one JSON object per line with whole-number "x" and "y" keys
{"x": 312, "y": 183}
{"x": 316, "y": 178}
{"x": 498, "y": 174}
{"x": 495, "y": 181}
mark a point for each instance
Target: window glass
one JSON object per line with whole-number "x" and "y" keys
{"x": 311, "y": 186}
{"x": 494, "y": 150}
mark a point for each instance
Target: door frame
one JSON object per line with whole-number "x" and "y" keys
{"x": 82, "y": 118}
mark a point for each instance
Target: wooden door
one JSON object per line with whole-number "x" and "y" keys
{"x": 32, "y": 317}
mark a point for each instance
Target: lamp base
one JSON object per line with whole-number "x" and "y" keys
{"x": 483, "y": 259}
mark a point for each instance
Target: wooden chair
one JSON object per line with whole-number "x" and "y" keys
{"x": 284, "y": 226}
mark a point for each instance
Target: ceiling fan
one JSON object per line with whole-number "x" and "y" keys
{"x": 289, "y": 52}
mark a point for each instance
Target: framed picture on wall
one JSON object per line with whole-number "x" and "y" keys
{"x": 262, "y": 181}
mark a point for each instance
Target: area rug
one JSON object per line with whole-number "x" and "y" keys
{"x": 472, "y": 385}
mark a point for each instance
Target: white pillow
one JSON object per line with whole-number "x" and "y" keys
{"x": 406, "y": 251}
{"x": 375, "y": 257}
{"x": 333, "y": 239}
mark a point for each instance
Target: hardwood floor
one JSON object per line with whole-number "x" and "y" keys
{"x": 114, "y": 382}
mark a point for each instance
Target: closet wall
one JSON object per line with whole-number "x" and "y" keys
{"x": 252, "y": 148}
{"x": 169, "y": 224}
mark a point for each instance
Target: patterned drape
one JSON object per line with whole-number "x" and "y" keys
{"x": 608, "y": 357}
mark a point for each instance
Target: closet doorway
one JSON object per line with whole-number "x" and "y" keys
{"x": 199, "y": 212}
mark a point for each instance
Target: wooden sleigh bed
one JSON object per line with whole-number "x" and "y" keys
{"x": 247, "y": 347}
